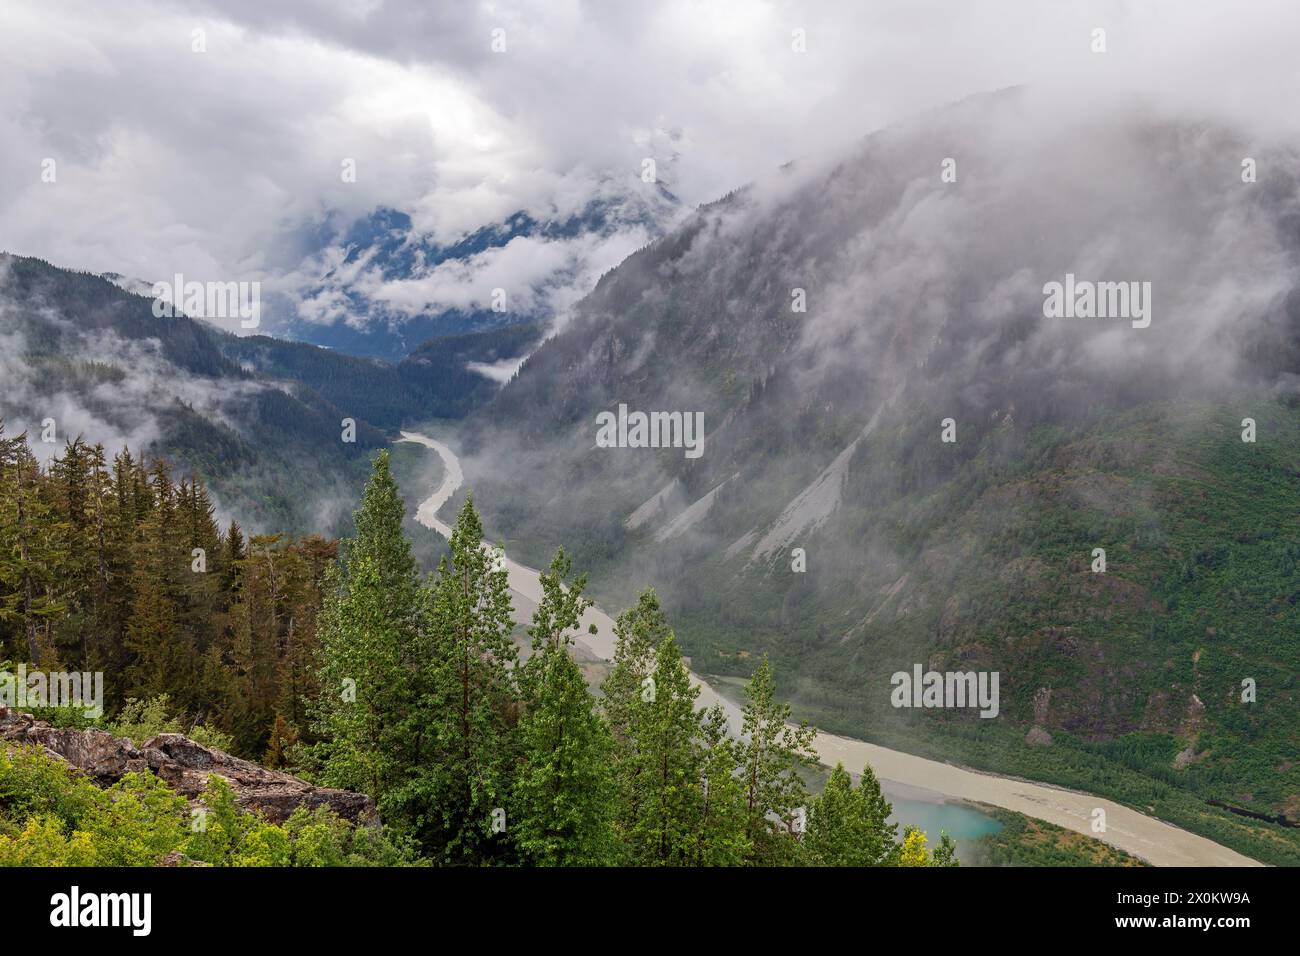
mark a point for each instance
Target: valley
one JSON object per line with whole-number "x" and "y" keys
{"x": 1143, "y": 836}
{"x": 621, "y": 436}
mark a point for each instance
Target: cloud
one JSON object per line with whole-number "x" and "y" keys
{"x": 499, "y": 372}
{"x": 226, "y": 164}
{"x": 100, "y": 386}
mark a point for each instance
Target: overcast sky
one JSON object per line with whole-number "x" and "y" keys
{"x": 219, "y": 163}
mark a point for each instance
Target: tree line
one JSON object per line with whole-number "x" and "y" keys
{"x": 120, "y": 567}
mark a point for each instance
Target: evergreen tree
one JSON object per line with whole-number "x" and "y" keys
{"x": 476, "y": 702}
{"x": 848, "y": 827}
{"x": 564, "y": 786}
{"x": 662, "y": 822}
{"x": 945, "y": 854}
{"x": 562, "y": 794}
{"x": 559, "y": 611}
{"x": 720, "y": 838}
{"x": 374, "y": 716}
{"x": 637, "y": 632}
{"x": 771, "y": 753}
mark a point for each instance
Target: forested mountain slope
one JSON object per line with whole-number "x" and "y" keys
{"x": 826, "y": 429}
{"x": 81, "y": 357}
{"x": 437, "y": 380}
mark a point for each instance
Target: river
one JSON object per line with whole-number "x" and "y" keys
{"x": 932, "y": 782}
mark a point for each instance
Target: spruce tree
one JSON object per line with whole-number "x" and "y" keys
{"x": 374, "y": 715}
{"x": 720, "y": 838}
{"x": 847, "y": 826}
{"x": 772, "y": 752}
{"x": 638, "y": 631}
{"x": 563, "y": 788}
{"x": 476, "y": 702}
{"x": 666, "y": 768}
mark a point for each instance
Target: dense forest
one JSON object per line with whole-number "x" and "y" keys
{"x": 348, "y": 667}
{"x": 120, "y": 568}
{"x": 434, "y": 381}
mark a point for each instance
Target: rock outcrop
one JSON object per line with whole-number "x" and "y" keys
{"x": 183, "y": 765}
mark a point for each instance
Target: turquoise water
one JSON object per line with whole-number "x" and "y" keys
{"x": 959, "y": 822}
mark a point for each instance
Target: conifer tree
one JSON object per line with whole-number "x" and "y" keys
{"x": 476, "y": 698}
{"x": 849, "y": 827}
{"x": 373, "y": 716}
{"x": 945, "y": 854}
{"x": 564, "y": 787}
{"x": 772, "y": 751}
{"x": 720, "y": 838}
{"x": 638, "y": 631}
{"x": 563, "y": 790}
{"x": 666, "y": 768}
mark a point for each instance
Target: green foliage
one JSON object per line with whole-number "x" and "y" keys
{"x": 136, "y": 822}
{"x": 375, "y": 705}
{"x": 770, "y": 756}
{"x": 52, "y": 815}
{"x": 474, "y": 685}
{"x": 849, "y": 827}
{"x": 563, "y": 784}
{"x": 139, "y": 720}
{"x": 99, "y": 573}
{"x": 1024, "y": 841}
{"x": 418, "y": 690}
{"x": 989, "y": 569}
{"x": 406, "y": 689}
{"x": 34, "y": 785}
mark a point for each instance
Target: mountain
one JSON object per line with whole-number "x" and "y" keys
{"x": 83, "y": 357}
{"x": 927, "y": 316}
{"x": 382, "y": 287}
{"x": 445, "y": 377}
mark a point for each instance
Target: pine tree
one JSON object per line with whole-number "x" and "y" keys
{"x": 848, "y": 827}
{"x": 771, "y": 754}
{"x": 476, "y": 698}
{"x": 666, "y": 768}
{"x": 373, "y": 715}
{"x": 564, "y": 787}
{"x": 720, "y": 838}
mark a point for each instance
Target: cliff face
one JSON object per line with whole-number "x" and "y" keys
{"x": 183, "y": 765}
